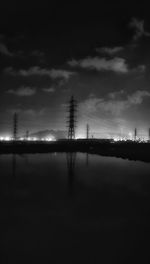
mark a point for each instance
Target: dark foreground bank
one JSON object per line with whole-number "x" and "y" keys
{"x": 127, "y": 150}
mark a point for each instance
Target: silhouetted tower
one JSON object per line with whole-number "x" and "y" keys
{"x": 15, "y": 126}
{"x": 135, "y": 134}
{"x": 87, "y": 131}
{"x": 149, "y": 133}
{"x": 72, "y": 118}
{"x": 27, "y": 135}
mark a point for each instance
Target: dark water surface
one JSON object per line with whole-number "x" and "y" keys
{"x": 74, "y": 208}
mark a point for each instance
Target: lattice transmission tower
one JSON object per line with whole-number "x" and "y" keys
{"x": 87, "y": 131}
{"x": 71, "y": 119}
{"x": 15, "y": 126}
{"x": 135, "y": 134}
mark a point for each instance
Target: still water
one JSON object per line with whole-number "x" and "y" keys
{"x": 74, "y": 208}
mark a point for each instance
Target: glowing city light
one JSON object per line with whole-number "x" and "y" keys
{"x": 48, "y": 139}
{"x": 32, "y": 139}
{"x": 6, "y": 138}
{"x": 51, "y": 138}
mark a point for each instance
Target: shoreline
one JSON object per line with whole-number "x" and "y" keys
{"x": 125, "y": 150}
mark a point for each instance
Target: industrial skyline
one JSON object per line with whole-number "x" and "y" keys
{"x": 70, "y": 133}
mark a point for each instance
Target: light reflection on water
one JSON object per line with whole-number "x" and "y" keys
{"x": 73, "y": 206}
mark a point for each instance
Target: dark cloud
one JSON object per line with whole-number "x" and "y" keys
{"x": 117, "y": 65}
{"x": 36, "y": 70}
{"x": 5, "y": 51}
{"x": 23, "y": 91}
{"x": 138, "y": 27}
{"x": 30, "y": 112}
{"x": 49, "y": 90}
{"x": 2, "y": 36}
{"x": 38, "y": 53}
{"x": 110, "y": 50}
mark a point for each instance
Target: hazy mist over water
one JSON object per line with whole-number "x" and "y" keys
{"x": 74, "y": 207}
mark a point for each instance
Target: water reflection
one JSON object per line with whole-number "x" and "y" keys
{"x": 87, "y": 159}
{"x": 12, "y": 179}
{"x": 14, "y": 163}
{"x": 71, "y": 159}
{"x": 109, "y": 208}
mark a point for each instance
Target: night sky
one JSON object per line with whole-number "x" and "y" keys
{"x": 98, "y": 53}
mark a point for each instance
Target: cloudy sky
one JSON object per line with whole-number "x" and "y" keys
{"x": 99, "y": 54}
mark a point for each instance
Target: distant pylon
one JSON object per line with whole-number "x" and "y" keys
{"x": 87, "y": 131}
{"x": 15, "y": 126}
{"x": 149, "y": 133}
{"x": 72, "y": 118}
{"x": 27, "y": 135}
{"x": 135, "y": 134}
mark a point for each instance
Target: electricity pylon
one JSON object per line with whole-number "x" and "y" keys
{"x": 87, "y": 131}
{"x": 15, "y": 126}
{"x": 72, "y": 109}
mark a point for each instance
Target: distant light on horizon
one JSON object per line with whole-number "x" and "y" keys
{"x": 6, "y": 138}
{"x": 51, "y": 138}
